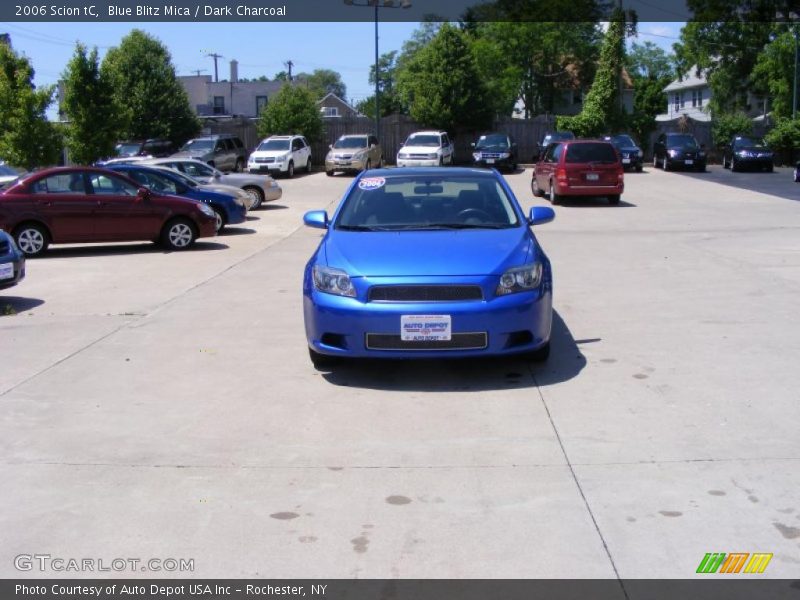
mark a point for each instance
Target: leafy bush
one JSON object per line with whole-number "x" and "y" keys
{"x": 292, "y": 111}
{"x": 785, "y": 136}
{"x": 725, "y": 126}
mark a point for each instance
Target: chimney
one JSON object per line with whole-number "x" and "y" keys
{"x": 234, "y": 71}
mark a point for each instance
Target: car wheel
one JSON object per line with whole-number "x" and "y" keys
{"x": 537, "y": 191}
{"x": 770, "y": 168}
{"x": 290, "y": 170}
{"x": 178, "y": 234}
{"x": 540, "y": 354}
{"x": 239, "y": 165}
{"x": 441, "y": 161}
{"x": 655, "y": 161}
{"x": 613, "y": 199}
{"x": 554, "y": 198}
{"x": 321, "y": 361}
{"x": 797, "y": 174}
{"x": 219, "y": 223}
{"x": 724, "y": 163}
{"x": 639, "y": 168}
{"x": 734, "y": 164}
{"x": 308, "y": 165}
{"x": 701, "y": 167}
{"x": 329, "y": 173}
{"x": 665, "y": 164}
{"x": 256, "y": 196}
{"x": 32, "y": 239}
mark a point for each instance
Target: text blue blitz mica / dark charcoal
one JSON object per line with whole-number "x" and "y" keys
{"x": 424, "y": 263}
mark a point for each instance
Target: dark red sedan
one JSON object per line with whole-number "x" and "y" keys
{"x": 579, "y": 168}
{"x": 68, "y": 205}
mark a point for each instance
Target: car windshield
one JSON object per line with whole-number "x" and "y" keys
{"x": 273, "y": 145}
{"x": 182, "y": 176}
{"x": 424, "y": 140}
{"x": 748, "y": 142}
{"x": 6, "y": 171}
{"x": 152, "y": 180}
{"x": 682, "y": 140}
{"x": 350, "y": 142}
{"x": 427, "y": 202}
{"x": 599, "y": 152}
{"x": 198, "y": 146}
{"x": 492, "y": 141}
{"x": 131, "y": 149}
{"x": 622, "y": 141}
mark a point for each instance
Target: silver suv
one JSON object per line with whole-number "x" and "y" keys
{"x": 223, "y": 151}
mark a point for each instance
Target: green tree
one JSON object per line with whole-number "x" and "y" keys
{"x": 150, "y": 100}
{"x": 322, "y": 82}
{"x": 292, "y": 110}
{"x": 785, "y": 136}
{"x": 648, "y": 61}
{"x": 92, "y": 126}
{"x": 27, "y": 138}
{"x": 650, "y": 69}
{"x": 601, "y": 110}
{"x": 442, "y": 87}
{"x": 725, "y": 126}
{"x": 773, "y": 74}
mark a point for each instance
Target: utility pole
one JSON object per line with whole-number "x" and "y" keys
{"x": 794, "y": 95}
{"x": 215, "y": 56}
{"x": 289, "y": 64}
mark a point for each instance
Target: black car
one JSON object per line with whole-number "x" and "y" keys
{"x": 551, "y": 138}
{"x": 630, "y": 153}
{"x": 12, "y": 261}
{"x": 495, "y": 150}
{"x": 673, "y": 150}
{"x": 747, "y": 152}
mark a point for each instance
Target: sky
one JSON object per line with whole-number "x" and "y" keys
{"x": 260, "y": 48}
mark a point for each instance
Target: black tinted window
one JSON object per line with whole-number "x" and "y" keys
{"x": 591, "y": 152}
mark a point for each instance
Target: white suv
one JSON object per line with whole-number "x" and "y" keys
{"x": 281, "y": 154}
{"x": 426, "y": 149}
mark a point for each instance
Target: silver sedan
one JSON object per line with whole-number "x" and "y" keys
{"x": 260, "y": 188}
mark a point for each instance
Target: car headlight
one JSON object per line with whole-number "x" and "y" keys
{"x": 433, "y": 155}
{"x": 476, "y": 155}
{"x": 402, "y": 155}
{"x": 207, "y": 210}
{"x": 743, "y": 153}
{"x": 520, "y": 279}
{"x": 333, "y": 281}
{"x": 672, "y": 153}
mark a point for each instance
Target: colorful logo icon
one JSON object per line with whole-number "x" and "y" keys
{"x": 734, "y": 562}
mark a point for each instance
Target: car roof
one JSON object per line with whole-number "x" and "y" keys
{"x": 437, "y": 171}
{"x": 426, "y": 131}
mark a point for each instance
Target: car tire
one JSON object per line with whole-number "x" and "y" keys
{"x": 554, "y": 197}
{"x": 734, "y": 164}
{"x": 655, "y": 161}
{"x": 321, "y": 361}
{"x": 290, "y": 170}
{"x": 178, "y": 234}
{"x": 308, "y": 165}
{"x": 665, "y": 164}
{"x": 701, "y": 168}
{"x": 239, "y": 167}
{"x": 540, "y": 354}
{"x": 329, "y": 173}
{"x": 797, "y": 174}
{"x": 220, "y": 220}
{"x": 725, "y": 164}
{"x": 256, "y": 196}
{"x": 441, "y": 161}
{"x": 32, "y": 239}
{"x": 537, "y": 191}
{"x": 770, "y": 169}
{"x": 639, "y": 168}
{"x": 613, "y": 199}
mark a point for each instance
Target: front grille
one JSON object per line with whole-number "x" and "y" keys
{"x": 424, "y": 293}
{"x": 260, "y": 159}
{"x": 459, "y": 341}
{"x": 420, "y": 156}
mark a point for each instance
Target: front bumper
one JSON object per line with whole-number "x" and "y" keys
{"x": 632, "y": 162}
{"x": 692, "y": 162}
{"x": 759, "y": 162}
{"x": 513, "y": 324}
{"x": 18, "y": 266}
{"x": 417, "y": 162}
{"x": 494, "y": 163}
{"x": 345, "y": 165}
{"x": 277, "y": 167}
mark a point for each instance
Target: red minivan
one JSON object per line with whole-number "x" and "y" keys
{"x": 67, "y": 205}
{"x": 579, "y": 168}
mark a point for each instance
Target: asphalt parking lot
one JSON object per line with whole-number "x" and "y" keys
{"x": 163, "y": 405}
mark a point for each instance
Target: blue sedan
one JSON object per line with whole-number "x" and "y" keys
{"x": 12, "y": 262}
{"x": 428, "y": 263}
{"x": 229, "y": 210}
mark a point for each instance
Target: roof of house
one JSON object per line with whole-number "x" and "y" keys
{"x": 692, "y": 79}
{"x": 334, "y": 96}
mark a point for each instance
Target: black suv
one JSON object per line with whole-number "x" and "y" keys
{"x": 673, "y": 150}
{"x": 495, "y": 150}
{"x": 630, "y": 153}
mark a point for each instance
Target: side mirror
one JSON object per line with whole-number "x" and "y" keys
{"x": 540, "y": 215}
{"x": 330, "y": 146}
{"x": 316, "y": 218}
{"x": 472, "y": 144}
{"x": 143, "y": 193}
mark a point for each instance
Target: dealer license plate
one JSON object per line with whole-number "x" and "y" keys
{"x": 626, "y": 161}
{"x": 7, "y": 272}
{"x": 489, "y": 161}
{"x": 688, "y": 161}
{"x": 425, "y": 328}
{"x": 592, "y": 177}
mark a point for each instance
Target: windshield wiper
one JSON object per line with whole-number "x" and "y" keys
{"x": 456, "y": 226}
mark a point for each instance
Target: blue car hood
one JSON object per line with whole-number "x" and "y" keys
{"x": 428, "y": 253}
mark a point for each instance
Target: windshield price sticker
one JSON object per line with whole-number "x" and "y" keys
{"x": 425, "y": 328}
{"x": 371, "y": 183}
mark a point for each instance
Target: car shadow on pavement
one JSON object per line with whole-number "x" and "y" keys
{"x": 111, "y": 250}
{"x": 233, "y": 230}
{"x": 593, "y": 202}
{"x": 466, "y": 374}
{"x": 779, "y": 183}
{"x": 272, "y": 207}
{"x": 12, "y": 305}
